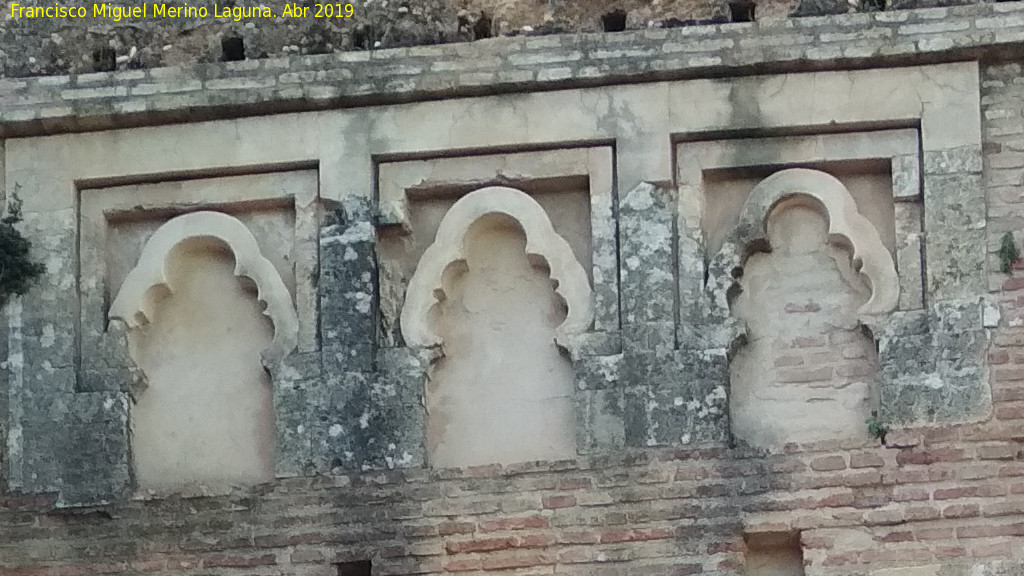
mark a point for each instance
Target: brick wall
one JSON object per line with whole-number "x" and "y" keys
{"x": 940, "y": 496}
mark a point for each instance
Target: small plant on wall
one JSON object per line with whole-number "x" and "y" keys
{"x": 17, "y": 270}
{"x": 1008, "y": 253}
{"x": 876, "y": 428}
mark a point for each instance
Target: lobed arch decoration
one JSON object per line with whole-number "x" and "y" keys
{"x": 845, "y": 223}
{"x": 567, "y": 274}
{"x": 135, "y": 304}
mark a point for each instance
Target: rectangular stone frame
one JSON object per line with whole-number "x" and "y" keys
{"x": 294, "y": 187}
{"x": 900, "y": 148}
{"x": 395, "y": 178}
{"x": 643, "y": 120}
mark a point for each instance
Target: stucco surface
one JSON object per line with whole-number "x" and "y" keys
{"x": 205, "y": 418}
{"x": 502, "y": 393}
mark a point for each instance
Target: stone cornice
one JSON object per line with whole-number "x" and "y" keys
{"x": 46, "y": 105}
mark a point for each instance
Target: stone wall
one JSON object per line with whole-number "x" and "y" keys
{"x": 87, "y": 101}
{"x": 660, "y": 486}
{"x": 104, "y": 40}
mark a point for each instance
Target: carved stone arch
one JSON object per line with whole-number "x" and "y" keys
{"x": 425, "y": 288}
{"x": 869, "y": 255}
{"x": 134, "y": 303}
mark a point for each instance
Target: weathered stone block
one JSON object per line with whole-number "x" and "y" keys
{"x": 84, "y": 459}
{"x": 955, "y": 223}
{"x": 294, "y": 403}
{"x": 933, "y": 365}
{"x": 94, "y": 452}
{"x": 601, "y": 420}
{"x": 346, "y": 284}
{"x": 370, "y": 422}
{"x": 647, "y": 220}
{"x": 597, "y": 372}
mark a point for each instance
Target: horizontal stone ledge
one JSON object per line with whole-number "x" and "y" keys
{"x": 97, "y": 101}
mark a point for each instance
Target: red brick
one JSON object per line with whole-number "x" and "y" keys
{"x": 1013, "y": 411}
{"x": 998, "y": 357}
{"x": 837, "y": 500}
{"x": 534, "y": 541}
{"x": 450, "y": 528}
{"x": 960, "y": 511}
{"x": 990, "y": 530}
{"x": 950, "y": 552}
{"x": 574, "y": 537}
{"x": 863, "y": 478}
{"x": 1003, "y": 508}
{"x": 954, "y": 493}
{"x": 978, "y": 471}
{"x": 575, "y": 484}
{"x": 934, "y": 533}
{"x": 866, "y": 460}
{"x": 522, "y": 523}
{"x": 929, "y": 456}
{"x": 1007, "y": 393}
{"x": 462, "y": 565}
{"x": 1008, "y": 373}
{"x": 991, "y": 550}
{"x": 555, "y": 502}
{"x": 484, "y": 545}
{"x": 883, "y": 517}
{"x": 828, "y": 463}
{"x": 910, "y": 494}
{"x": 902, "y": 536}
{"x": 516, "y": 561}
{"x": 944, "y": 474}
{"x": 576, "y": 555}
{"x": 635, "y": 535}
{"x": 1011, "y": 470}
{"x": 940, "y": 435}
{"x": 895, "y": 555}
{"x": 842, "y": 559}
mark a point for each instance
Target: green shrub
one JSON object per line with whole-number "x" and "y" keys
{"x": 876, "y": 428}
{"x": 1008, "y": 253}
{"x": 17, "y": 270}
